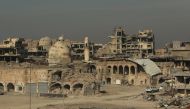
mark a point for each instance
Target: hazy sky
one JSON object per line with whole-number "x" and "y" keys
{"x": 169, "y": 19}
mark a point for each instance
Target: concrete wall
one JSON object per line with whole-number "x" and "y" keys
{"x": 19, "y": 77}
{"x": 184, "y": 53}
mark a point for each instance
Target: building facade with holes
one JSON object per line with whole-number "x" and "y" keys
{"x": 19, "y": 78}
{"x": 38, "y": 79}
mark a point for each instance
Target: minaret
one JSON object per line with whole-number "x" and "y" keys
{"x": 86, "y": 50}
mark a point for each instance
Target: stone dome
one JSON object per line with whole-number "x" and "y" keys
{"x": 45, "y": 41}
{"x": 59, "y": 53}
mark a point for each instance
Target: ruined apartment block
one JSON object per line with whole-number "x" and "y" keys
{"x": 140, "y": 45}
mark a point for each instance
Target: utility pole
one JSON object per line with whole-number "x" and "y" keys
{"x": 30, "y": 90}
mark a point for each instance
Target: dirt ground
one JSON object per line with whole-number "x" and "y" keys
{"x": 117, "y": 97}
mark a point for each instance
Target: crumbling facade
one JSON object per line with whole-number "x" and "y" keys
{"x": 12, "y": 50}
{"x": 37, "y": 48}
{"x": 126, "y": 71}
{"x": 78, "y": 49}
{"x": 141, "y": 45}
{"x": 18, "y": 77}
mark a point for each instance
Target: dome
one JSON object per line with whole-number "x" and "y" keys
{"x": 59, "y": 53}
{"x": 45, "y": 41}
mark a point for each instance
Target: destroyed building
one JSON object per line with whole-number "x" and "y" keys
{"x": 140, "y": 45}
{"x": 182, "y": 65}
{"x": 174, "y": 63}
{"x": 127, "y": 71}
{"x": 38, "y": 48}
{"x": 79, "y": 47}
{"x": 12, "y": 50}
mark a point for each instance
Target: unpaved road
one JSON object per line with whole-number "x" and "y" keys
{"x": 119, "y": 96}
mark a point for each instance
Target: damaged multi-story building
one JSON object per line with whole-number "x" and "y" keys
{"x": 174, "y": 62}
{"x": 182, "y": 65}
{"x": 139, "y": 45}
{"x": 37, "y": 48}
{"x": 12, "y": 50}
{"x": 78, "y": 49}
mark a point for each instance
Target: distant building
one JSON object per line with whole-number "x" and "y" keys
{"x": 38, "y": 47}
{"x": 141, "y": 45}
{"x": 160, "y": 52}
{"x": 138, "y": 46}
{"x": 180, "y": 49}
{"x": 12, "y": 50}
{"x": 78, "y": 48}
{"x": 45, "y": 43}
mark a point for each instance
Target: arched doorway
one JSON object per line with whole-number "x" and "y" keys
{"x": 56, "y": 88}
{"x": 109, "y": 69}
{"x": 108, "y": 80}
{"x": 67, "y": 87}
{"x": 114, "y": 69}
{"x": 126, "y": 70}
{"x": 77, "y": 88}
{"x": 120, "y": 69}
{"x": 132, "y": 82}
{"x": 1, "y": 87}
{"x": 92, "y": 68}
{"x": 132, "y": 70}
{"x": 161, "y": 80}
{"x": 10, "y": 87}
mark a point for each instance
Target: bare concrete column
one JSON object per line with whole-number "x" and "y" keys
{"x": 129, "y": 70}
{"x": 135, "y": 70}
{"x": 117, "y": 69}
{"x": 123, "y": 70}
{"x": 111, "y": 70}
{"x": 181, "y": 64}
{"x": 5, "y": 87}
{"x": 37, "y": 89}
{"x": 17, "y": 60}
{"x": 48, "y": 87}
{"x": 71, "y": 88}
{"x": 184, "y": 64}
{"x": 185, "y": 90}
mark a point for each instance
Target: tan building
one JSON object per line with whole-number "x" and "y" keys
{"x": 17, "y": 77}
{"x": 161, "y": 52}
{"x": 127, "y": 71}
{"x": 140, "y": 45}
{"x": 28, "y": 78}
{"x": 12, "y": 50}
